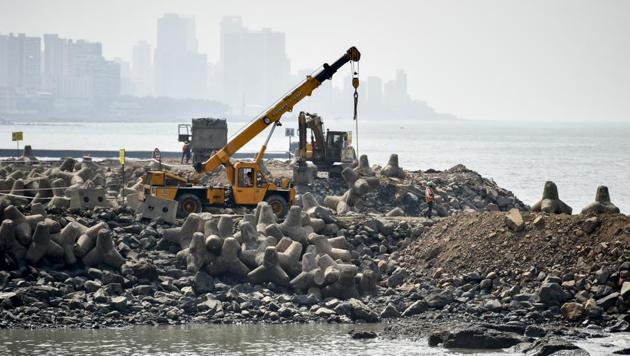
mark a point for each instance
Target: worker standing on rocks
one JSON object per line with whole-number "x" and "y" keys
{"x": 185, "y": 152}
{"x": 429, "y": 197}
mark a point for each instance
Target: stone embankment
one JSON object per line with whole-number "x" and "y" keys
{"x": 353, "y": 249}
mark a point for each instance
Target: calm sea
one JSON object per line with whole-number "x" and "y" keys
{"x": 518, "y": 156}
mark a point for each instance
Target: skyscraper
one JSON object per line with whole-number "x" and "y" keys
{"x": 180, "y": 71}
{"x": 254, "y": 66}
{"x": 20, "y": 62}
{"x": 142, "y": 69}
{"x": 77, "y": 69}
{"x": 55, "y": 58}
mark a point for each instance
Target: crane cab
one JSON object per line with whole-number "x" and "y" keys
{"x": 252, "y": 184}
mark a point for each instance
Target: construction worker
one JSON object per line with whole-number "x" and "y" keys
{"x": 186, "y": 152}
{"x": 429, "y": 198}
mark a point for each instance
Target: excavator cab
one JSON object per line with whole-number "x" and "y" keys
{"x": 336, "y": 143}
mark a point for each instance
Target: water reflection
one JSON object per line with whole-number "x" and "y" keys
{"x": 309, "y": 339}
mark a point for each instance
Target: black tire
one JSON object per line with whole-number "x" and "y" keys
{"x": 279, "y": 205}
{"x": 188, "y": 203}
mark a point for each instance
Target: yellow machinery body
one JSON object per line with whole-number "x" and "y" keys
{"x": 249, "y": 182}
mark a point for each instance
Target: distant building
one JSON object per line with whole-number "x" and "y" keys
{"x": 142, "y": 69}
{"x": 77, "y": 70}
{"x": 253, "y": 65}
{"x": 375, "y": 91}
{"x": 55, "y": 61}
{"x": 20, "y": 62}
{"x": 180, "y": 72}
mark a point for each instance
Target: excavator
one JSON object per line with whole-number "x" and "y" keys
{"x": 249, "y": 181}
{"x": 330, "y": 152}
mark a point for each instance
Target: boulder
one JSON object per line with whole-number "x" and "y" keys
{"x": 572, "y": 311}
{"x": 514, "y": 220}
{"x": 417, "y": 307}
{"x": 476, "y": 338}
{"x": 552, "y": 294}
{"x": 550, "y": 345}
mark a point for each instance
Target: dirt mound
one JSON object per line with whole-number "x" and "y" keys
{"x": 554, "y": 243}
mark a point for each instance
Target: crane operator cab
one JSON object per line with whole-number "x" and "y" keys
{"x": 253, "y": 185}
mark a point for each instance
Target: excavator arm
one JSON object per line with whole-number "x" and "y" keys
{"x": 274, "y": 113}
{"x": 314, "y": 123}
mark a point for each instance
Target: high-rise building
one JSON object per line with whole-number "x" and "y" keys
{"x": 395, "y": 93}
{"x": 77, "y": 69}
{"x": 142, "y": 69}
{"x": 375, "y": 91}
{"x": 180, "y": 71}
{"x": 55, "y": 58}
{"x": 254, "y": 67}
{"x": 20, "y": 62}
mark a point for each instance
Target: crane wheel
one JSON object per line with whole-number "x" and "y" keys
{"x": 187, "y": 204}
{"x": 279, "y": 205}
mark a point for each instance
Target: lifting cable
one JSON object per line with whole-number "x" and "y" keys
{"x": 355, "y": 84}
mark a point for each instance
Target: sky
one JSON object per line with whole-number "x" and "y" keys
{"x": 537, "y": 60}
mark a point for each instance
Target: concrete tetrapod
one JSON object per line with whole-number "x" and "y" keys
{"x": 550, "y": 202}
{"x": 339, "y": 277}
{"x": 289, "y": 253}
{"x": 16, "y": 195}
{"x": 324, "y": 247}
{"x": 182, "y": 235}
{"x": 212, "y": 239}
{"x": 311, "y": 276}
{"x": 44, "y": 192}
{"x": 364, "y": 169}
{"x": 42, "y": 245}
{"x": 87, "y": 240}
{"x": 270, "y": 270}
{"x": 602, "y": 203}
{"x": 38, "y": 209}
{"x": 250, "y": 246}
{"x": 9, "y": 242}
{"x": 226, "y": 226}
{"x": 59, "y": 200}
{"x": 67, "y": 238}
{"x": 358, "y": 185}
{"x": 314, "y": 210}
{"x": 196, "y": 254}
{"x": 104, "y": 252}
{"x": 24, "y": 224}
{"x": 266, "y": 217}
{"x": 292, "y": 226}
{"x": 345, "y": 286}
{"x": 392, "y": 169}
{"x": 228, "y": 262}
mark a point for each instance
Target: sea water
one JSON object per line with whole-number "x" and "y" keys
{"x": 519, "y": 156}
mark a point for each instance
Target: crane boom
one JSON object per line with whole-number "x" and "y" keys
{"x": 275, "y": 112}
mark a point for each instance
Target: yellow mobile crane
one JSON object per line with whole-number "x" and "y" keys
{"x": 249, "y": 181}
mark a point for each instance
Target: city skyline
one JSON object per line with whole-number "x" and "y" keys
{"x": 74, "y": 76}
{"x": 489, "y": 59}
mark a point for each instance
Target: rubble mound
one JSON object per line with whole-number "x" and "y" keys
{"x": 458, "y": 189}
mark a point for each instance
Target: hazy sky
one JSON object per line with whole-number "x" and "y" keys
{"x": 488, "y": 59}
